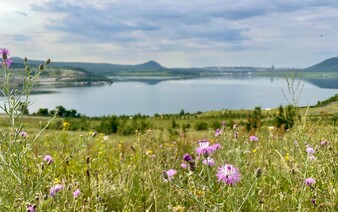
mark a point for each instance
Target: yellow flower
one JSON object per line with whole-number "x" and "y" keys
{"x": 254, "y": 150}
{"x": 57, "y": 181}
{"x": 178, "y": 208}
{"x": 287, "y": 156}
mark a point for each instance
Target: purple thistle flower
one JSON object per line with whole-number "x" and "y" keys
{"x": 4, "y": 53}
{"x": 30, "y": 208}
{"x": 54, "y": 189}
{"x": 228, "y": 174}
{"x": 209, "y": 161}
{"x": 184, "y": 165}
{"x": 8, "y": 62}
{"x": 48, "y": 159}
{"x": 187, "y": 157}
{"x": 310, "y": 150}
{"x": 253, "y": 138}
{"x": 23, "y": 134}
{"x": 323, "y": 143}
{"x": 218, "y": 132}
{"x": 216, "y": 147}
{"x": 205, "y": 149}
{"x": 76, "y": 193}
{"x": 309, "y": 181}
{"x": 169, "y": 175}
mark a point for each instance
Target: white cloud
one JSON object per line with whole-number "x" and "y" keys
{"x": 176, "y": 33}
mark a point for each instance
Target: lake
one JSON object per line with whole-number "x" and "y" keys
{"x": 171, "y": 96}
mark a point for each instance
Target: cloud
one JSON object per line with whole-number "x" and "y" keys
{"x": 21, "y": 13}
{"x": 260, "y": 28}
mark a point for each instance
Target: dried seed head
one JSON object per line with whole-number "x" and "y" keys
{"x": 165, "y": 175}
{"x": 41, "y": 67}
{"x": 192, "y": 165}
{"x": 47, "y": 62}
{"x": 258, "y": 172}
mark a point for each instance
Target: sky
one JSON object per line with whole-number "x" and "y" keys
{"x": 175, "y": 33}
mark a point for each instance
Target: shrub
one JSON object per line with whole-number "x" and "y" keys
{"x": 201, "y": 125}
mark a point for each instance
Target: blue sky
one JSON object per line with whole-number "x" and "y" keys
{"x": 175, "y": 33}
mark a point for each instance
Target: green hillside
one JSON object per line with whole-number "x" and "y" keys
{"x": 328, "y": 65}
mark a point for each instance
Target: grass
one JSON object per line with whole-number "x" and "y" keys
{"x": 124, "y": 173}
{"x": 42, "y": 162}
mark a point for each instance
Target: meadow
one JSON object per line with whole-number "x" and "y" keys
{"x": 283, "y": 159}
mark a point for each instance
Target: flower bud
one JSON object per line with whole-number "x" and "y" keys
{"x": 25, "y": 59}
{"x": 41, "y": 67}
{"x": 48, "y": 61}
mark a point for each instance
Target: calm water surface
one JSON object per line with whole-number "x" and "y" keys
{"x": 171, "y": 96}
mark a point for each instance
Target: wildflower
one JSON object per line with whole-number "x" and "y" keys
{"x": 253, "y": 138}
{"x": 216, "y": 146}
{"x": 5, "y": 57}
{"x": 48, "y": 159}
{"x": 205, "y": 149}
{"x": 313, "y": 200}
{"x": 4, "y": 53}
{"x": 54, "y": 189}
{"x": 310, "y": 181}
{"x": 30, "y": 208}
{"x": 310, "y": 150}
{"x": 209, "y": 161}
{"x": 228, "y": 174}
{"x": 8, "y": 62}
{"x": 223, "y": 123}
{"x": 23, "y": 134}
{"x": 76, "y": 193}
{"x": 169, "y": 175}
{"x": 218, "y": 132}
{"x": 187, "y": 157}
{"x": 323, "y": 143}
{"x": 184, "y": 165}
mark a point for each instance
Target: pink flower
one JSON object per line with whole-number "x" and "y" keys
{"x": 310, "y": 150}
{"x": 218, "y": 132}
{"x": 205, "y": 149}
{"x": 30, "y": 208}
{"x": 310, "y": 181}
{"x": 209, "y": 162}
{"x": 184, "y": 165}
{"x": 8, "y": 62}
{"x": 23, "y": 134}
{"x": 4, "y": 53}
{"x": 169, "y": 175}
{"x": 76, "y": 193}
{"x": 48, "y": 159}
{"x": 228, "y": 174}
{"x": 323, "y": 143}
{"x": 253, "y": 138}
{"x": 54, "y": 189}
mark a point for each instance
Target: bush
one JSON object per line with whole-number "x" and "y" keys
{"x": 201, "y": 125}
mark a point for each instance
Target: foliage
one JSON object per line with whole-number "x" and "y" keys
{"x": 286, "y": 117}
{"x": 201, "y": 125}
{"x": 254, "y": 119}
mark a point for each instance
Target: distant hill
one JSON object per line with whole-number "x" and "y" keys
{"x": 329, "y": 65}
{"x": 103, "y": 69}
{"x": 150, "y": 65}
